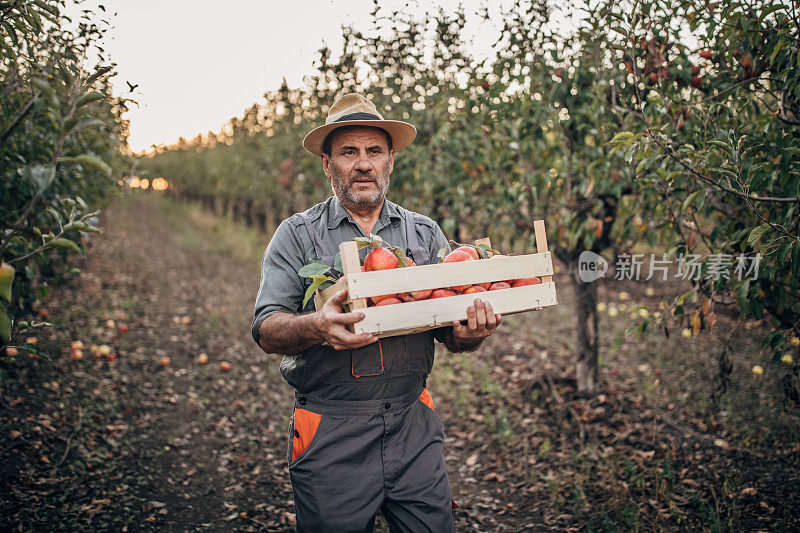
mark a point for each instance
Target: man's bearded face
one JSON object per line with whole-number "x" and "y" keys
{"x": 359, "y": 167}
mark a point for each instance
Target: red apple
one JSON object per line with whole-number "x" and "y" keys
{"x": 457, "y": 255}
{"x": 454, "y": 257}
{"x": 498, "y": 285}
{"x": 378, "y": 299}
{"x": 526, "y": 281}
{"x": 470, "y": 250}
{"x": 442, "y": 293}
{"x": 423, "y": 294}
{"x": 388, "y": 301}
{"x": 380, "y": 259}
{"x": 473, "y": 289}
{"x": 224, "y": 366}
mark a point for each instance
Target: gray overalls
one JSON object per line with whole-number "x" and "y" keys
{"x": 364, "y": 435}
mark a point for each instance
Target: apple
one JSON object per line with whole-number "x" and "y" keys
{"x": 423, "y": 294}
{"x": 377, "y": 299}
{"x": 787, "y": 359}
{"x": 499, "y": 285}
{"x": 224, "y": 366}
{"x": 380, "y": 259}
{"x": 76, "y": 345}
{"x": 388, "y": 301}
{"x": 43, "y": 313}
{"x": 105, "y": 349}
{"x": 11, "y": 351}
{"x": 202, "y": 358}
{"x": 442, "y": 293}
{"x": 122, "y": 328}
{"x": 186, "y": 320}
{"x": 76, "y": 355}
{"x": 473, "y": 289}
{"x": 456, "y": 256}
{"x": 32, "y": 340}
{"x": 758, "y": 370}
{"x": 522, "y": 282}
{"x": 111, "y": 357}
{"x": 165, "y": 361}
{"x": 469, "y": 250}
{"x": 110, "y": 323}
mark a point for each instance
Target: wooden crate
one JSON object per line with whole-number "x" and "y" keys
{"x": 414, "y": 317}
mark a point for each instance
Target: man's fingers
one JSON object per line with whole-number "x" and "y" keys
{"x": 471, "y": 319}
{"x": 338, "y": 297}
{"x": 480, "y": 314}
{"x": 346, "y": 318}
{"x": 491, "y": 318}
{"x": 346, "y": 340}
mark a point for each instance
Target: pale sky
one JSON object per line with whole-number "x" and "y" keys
{"x": 198, "y": 63}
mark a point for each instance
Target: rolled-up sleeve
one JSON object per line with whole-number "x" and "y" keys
{"x": 281, "y": 288}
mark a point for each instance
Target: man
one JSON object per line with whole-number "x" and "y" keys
{"x": 364, "y": 435}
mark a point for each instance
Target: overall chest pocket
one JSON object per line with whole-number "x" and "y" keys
{"x": 387, "y": 356}
{"x": 382, "y": 360}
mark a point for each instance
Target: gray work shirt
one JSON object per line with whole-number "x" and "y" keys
{"x": 402, "y": 362}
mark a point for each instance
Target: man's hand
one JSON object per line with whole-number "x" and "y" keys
{"x": 481, "y": 322}
{"x": 332, "y": 321}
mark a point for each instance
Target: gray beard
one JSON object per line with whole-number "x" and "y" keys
{"x": 347, "y": 197}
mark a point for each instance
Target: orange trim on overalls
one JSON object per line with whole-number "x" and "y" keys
{"x": 425, "y": 398}
{"x": 380, "y": 348}
{"x": 305, "y": 427}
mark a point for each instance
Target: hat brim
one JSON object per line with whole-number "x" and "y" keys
{"x": 402, "y": 133}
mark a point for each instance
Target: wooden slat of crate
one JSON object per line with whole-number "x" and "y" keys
{"x": 408, "y": 317}
{"x": 320, "y": 297}
{"x": 366, "y": 284}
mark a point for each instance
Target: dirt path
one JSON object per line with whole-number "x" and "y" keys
{"x": 136, "y": 445}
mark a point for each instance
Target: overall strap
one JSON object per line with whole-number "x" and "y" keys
{"x": 319, "y": 247}
{"x": 418, "y": 253}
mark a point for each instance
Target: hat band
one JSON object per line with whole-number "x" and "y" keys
{"x": 358, "y": 116}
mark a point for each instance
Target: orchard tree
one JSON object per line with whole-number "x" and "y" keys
{"x": 719, "y": 146}
{"x": 61, "y": 138}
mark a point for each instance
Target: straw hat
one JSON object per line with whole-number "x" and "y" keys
{"x": 355, "y": 110}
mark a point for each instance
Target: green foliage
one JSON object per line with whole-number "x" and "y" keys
{"x": 61, "y": 139}
{"x": 718, "y": 89}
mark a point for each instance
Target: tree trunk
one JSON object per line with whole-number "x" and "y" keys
{"x": 586, "y": 329}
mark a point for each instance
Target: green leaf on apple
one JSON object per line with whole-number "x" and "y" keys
{"x": 317, "y": 283}
{"x": 315, "y": 268}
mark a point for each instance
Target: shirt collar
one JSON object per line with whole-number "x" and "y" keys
{"x": 337, "y": 213}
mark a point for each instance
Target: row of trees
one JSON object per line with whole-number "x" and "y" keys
{"x": 61, "y": 142}
{"x": 669, "y": 122}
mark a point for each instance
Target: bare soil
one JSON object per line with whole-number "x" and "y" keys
{"x": 137, "y": 445}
